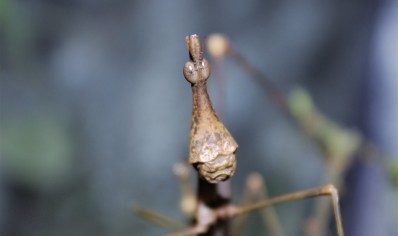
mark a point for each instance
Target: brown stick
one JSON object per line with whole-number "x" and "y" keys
{"x": 210, "y": 215}
{"x": 256, "y": 188}
{"x": 327, "y": 190}
{"x": 277, "y": 97}
{"x": 156, "y": 218}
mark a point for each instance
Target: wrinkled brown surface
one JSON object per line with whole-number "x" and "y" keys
{"x": 218, "y": 169}
{"x": 209, "y": 137}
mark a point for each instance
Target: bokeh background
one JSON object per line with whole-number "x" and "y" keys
{"x": 95, "y": 110}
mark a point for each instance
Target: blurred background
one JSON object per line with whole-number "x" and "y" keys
{"x": 95, "y": 110}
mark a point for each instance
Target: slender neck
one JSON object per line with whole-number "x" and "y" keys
{"x": 201, "y": 104}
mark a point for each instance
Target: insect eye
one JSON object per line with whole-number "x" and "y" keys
{"x": 205, "y": 69}
{"x": 190, "y": 73}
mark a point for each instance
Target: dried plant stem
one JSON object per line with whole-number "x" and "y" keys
{"x": 188, "y": 202}
{"x": 327, "y": 190}
{"x": 257, "y": 189}
{"x": 156, "y": 218}
{"x": 207, "y": 217}
{"x": 335, "y": 165}
{"x": 275, "y": 94}
{"x": 270, "y": 216}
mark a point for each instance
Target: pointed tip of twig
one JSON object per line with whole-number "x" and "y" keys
{"x": 181, "y": 170}
{"x": 254, "y": 182}
{"x": 217, "y": 45}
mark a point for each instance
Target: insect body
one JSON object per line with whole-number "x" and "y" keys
{"x": 212, "y": 147}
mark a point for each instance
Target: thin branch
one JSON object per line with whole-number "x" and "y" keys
{"x": 257, "y": 189}
{"x": 156, "y": 218}
{"x": 210, "y": 216}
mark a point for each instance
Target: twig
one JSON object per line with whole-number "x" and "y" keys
{"x": 156, "y": 218}
{"x": 257, "y": 189}
{"x": 210, "y": 216}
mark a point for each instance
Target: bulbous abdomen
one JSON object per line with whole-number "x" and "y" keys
{"x": 219, "y": 169}
{"x": 212, "y": 147}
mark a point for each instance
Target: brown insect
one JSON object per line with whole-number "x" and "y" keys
{"x": 212, "y": 148}
{"x": 212, "y": 153}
